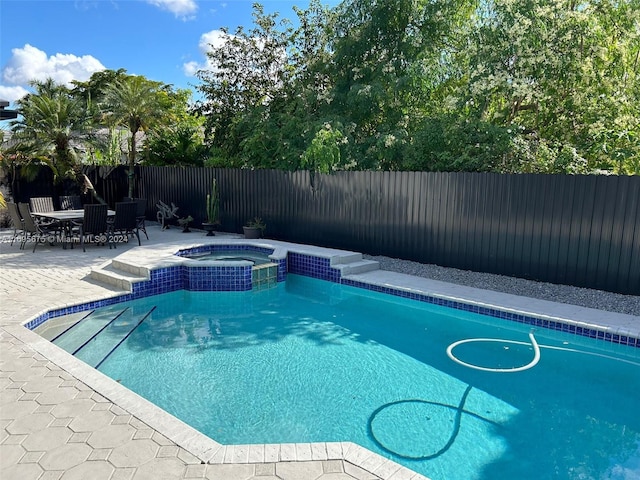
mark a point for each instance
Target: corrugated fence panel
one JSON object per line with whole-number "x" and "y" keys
{"x": 630, "y": 245}
{"x": 579, "y": 230}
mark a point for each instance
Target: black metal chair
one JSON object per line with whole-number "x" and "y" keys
{"x": 70, "y": 202}
{"x": 34, "y": 231}
{"x": 125, "y": 222}
{"x": 141, "y": 216}
{"x": 94, "y": 225}
{"x": 17, "y": 222}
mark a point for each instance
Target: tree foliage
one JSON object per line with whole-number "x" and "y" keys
{"x": 51, "y": 131}
{"x": 500, "y": 85}
{"x": 97, "y": 121}
{"x": 563, "y": 73}
{"x": 136, "y": 103}
{"x": 179, "y": 139}
{"x": 547, "y": 86}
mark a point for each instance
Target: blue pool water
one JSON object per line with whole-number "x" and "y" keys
{"x": 312, "y": 361}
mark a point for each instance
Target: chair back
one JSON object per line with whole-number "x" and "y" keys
{"x": 70, "y": 202}
{"x": 29, "y": 224}
{"x": 142, "y": 207}
{"x": 125, "y": 219}
{"x": 41, "y": 204}
{"x": 14, "y": 214}
{"x": 95, "y": 219}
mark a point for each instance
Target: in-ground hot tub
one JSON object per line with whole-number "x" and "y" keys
{"x": 264, "y": 270}
{"x": 232, "y": 254}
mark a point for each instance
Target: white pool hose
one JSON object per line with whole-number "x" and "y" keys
{"x": 533, "y": 363}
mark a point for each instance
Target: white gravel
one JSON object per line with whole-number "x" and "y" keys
{"x": 601, "y": 300}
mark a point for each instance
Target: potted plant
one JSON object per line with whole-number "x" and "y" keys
{"x": 213, "y": 209}
{"x": 254, "y": 228}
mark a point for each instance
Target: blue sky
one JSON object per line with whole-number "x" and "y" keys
{"x": 164, "y": 40}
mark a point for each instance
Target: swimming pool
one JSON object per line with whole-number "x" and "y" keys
{"x": 316, "y": 361}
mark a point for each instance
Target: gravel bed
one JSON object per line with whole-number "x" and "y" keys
{"x": 601, "y": 300}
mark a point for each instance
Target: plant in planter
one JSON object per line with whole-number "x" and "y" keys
{"x": 254, "y": 228}
{"x": 213, "y": 209}
{"x": 184, "y": 223}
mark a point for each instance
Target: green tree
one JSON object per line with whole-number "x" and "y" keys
{"x": 51, "y": 130}
{"x": 92, "y": 91}
{"x": 179, "y": 145}
{"x": 137, "y": 104}
{"x": 503, "y": 85}
{"x": 179, "y": 138}
{"x": 107, "y": 148}
{"x": 562, "y": 73}
{"x": 248, "y": 79}
{"x": 390, "y": 62}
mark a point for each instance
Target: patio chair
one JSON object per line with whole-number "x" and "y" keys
{"x": 94, "y": 224}
{"x": 16, "y": 221}
{"x": 141, "y": 216}
{"x": 70, "y": 202}
{"x": 34, "y": 231}
{"x": 41, "y": 204}
{"x": 125, "y": 222}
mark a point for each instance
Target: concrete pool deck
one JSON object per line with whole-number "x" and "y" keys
{"x": 63, "y": 420}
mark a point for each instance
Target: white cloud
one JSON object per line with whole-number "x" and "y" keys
{"x": 215, "y": 38}
{"x": 184, "y": 9}
{"x": 30, "y": 63}
{"x": 12, "y": 93}
{"x": 190, "y": 68}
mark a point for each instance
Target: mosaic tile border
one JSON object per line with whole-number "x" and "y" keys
{"x": 312, "y": 266}
{"x": 556, "y": 324}
{"x": 238, "y": 278}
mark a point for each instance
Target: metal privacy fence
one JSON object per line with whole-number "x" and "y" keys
{"x": 577, "y": 230}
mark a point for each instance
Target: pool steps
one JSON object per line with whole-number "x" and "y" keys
{"x": 357, "y": 267}
{"x": 109, "y": 338}
{"x": 119, "y": 274}
{"x": 55, "y": 326}
{"x": 103, "y": 331}
{"x": 73, "y": 338}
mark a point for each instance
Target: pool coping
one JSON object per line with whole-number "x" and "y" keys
{"x": 210, "y": 451}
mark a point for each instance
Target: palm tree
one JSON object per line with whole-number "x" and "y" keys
{"x": 136, "y": 103}
{"x": 52, "y": 128}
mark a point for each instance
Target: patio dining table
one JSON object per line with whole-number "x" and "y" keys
{"x": 66, "y": 217}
